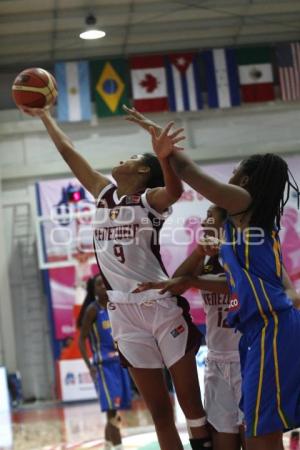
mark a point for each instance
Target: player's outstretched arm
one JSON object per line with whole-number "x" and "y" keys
{"x": 162, "y": 197}
{"x": 92, "y": 180}
{"x": 135, "y": 116}
{"x": 228, "y": 196}
{"x": 179, "y": 285}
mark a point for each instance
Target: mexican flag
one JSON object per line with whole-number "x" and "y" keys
{"x": 110, "y": 86}
{"x": 256, "y": 74}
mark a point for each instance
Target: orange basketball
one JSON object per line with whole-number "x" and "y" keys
{"x": 34, "y": 88}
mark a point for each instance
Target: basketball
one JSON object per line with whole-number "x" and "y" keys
{"x": 34, "y": 88}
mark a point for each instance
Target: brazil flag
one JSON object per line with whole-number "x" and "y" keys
{"x": 110, "y": 86}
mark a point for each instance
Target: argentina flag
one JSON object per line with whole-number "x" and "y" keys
{"x": 74, "y": 98}
{"x": 183, "y": 82}
{"x": 221, "y": 78}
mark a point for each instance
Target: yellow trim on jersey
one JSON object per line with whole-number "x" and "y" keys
{"x": 98, "y": 343}
{"x": 275, "y": 354}
{"x": 262, "y": 353}
{"x": 234, "y": 239}
{"x": 276, "y": 250}
{"x": 108, "y": 397}
{"x": 99, "y": 366}
{"x": 247, "y": 250}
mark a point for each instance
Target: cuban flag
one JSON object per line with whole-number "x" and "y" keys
{"x": 183, "y": 81}
{"x": 74, "y": 96}
{"x": 221, "y": 78}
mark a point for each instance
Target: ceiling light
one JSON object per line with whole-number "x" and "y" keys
{"x": 91, "y": 32}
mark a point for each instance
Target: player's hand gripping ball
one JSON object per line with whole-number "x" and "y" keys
{"x": 34, "y": 88}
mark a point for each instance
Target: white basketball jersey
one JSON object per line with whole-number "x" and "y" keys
{"x": 222, "y": 341}
{"x": 126, "y": 240}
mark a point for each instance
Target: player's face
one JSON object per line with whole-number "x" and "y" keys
{"x": 100, "y": 290}
{"x": 213, "y": 222}
{"x": 129, "y": 167}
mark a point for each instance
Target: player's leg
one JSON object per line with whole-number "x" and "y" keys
{"x": 222, "y": 383}
{"x": 265, "y": 442}
{"x": 152, "y": 386}
{"x": 226, "y": 441}
{"x": 185, "y": 378}
{"x": 112, "y": 428}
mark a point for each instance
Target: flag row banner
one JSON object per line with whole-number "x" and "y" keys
{"x": 187, "y": 81}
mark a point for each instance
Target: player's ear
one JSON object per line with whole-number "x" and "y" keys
{"x": 144, "y": 169}
{"x": 244, "y": 181}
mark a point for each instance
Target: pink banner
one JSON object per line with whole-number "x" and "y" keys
{"x": 178, "y": 239}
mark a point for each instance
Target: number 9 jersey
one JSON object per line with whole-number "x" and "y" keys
{"x": 126, "y": 240}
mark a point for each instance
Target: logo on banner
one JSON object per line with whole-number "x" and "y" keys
{"x": 70, "y": 378}
{"x": 113, "y": 214}
{"x": 73, "y": 200}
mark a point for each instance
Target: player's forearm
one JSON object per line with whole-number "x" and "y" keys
{"x": 192, "y": 265}
{"x": 173, "y": 184}
{"x": 83, "y": 351}
{"x": 61, "y": 141}
{"x": 210, "y": 283}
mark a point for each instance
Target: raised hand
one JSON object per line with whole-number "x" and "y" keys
{"x": 165, "y": 143}
{"x": 34, "y": 112}
{"x": 138, "y": 118}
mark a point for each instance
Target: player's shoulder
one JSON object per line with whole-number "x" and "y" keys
{"x": 92, "y": 309}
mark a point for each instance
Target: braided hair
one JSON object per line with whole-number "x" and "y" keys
{"x": 156, "y": 178}
{"x": 89, "y": 298}
{"x": 269, "y": 186}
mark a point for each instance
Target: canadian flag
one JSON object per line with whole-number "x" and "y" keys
{"x": 149, "y": 85}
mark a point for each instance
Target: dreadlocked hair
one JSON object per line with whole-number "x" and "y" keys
{"x": 269, "y": 185}
{"x": 89, "y": 298}
{"x": 156, "y": 178}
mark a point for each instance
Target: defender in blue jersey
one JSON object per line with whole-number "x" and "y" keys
{"x": 111, "y": 380}
{"x": 260, "y": 307}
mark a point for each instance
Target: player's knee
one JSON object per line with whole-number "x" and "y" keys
{"x": 191, "y": 407}
{"x": 162, "y": 415}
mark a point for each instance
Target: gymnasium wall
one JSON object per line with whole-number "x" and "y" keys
{"x": 26, "y": 155}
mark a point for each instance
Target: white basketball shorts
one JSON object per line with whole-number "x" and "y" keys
{"x": 153, "y": 334}
{"x": 222, "y": 394}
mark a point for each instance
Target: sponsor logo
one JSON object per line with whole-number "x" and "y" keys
{"x": 106, "y": 324}
{"x": 177, "y": 331}
{"x": 70, "y": 378}
{"x": 234, "y": 304}
{"x": 111, "y": 306}
{"x": 132, "y": 199}
{"x": 117, "y": 402}
{"x": 84, "y": 378}
{"x": 113, "y": 214}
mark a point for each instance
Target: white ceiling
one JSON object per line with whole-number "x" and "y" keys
{"x": 35, "y": 31}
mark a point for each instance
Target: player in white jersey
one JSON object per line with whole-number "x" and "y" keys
{"x": 222, "y": 373}
{"x": 152, "y": 330}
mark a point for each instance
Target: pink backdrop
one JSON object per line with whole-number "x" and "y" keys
{"x": 177, "y": 242}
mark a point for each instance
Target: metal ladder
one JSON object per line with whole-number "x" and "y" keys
{"x": 30, "y": 309}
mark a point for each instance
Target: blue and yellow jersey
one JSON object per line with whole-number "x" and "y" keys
{"x": 100, "y": 338}
{"x": 253, "y": 266}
